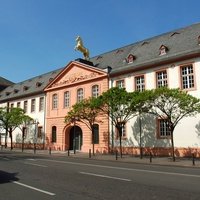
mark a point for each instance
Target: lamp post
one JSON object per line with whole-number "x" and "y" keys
{"x": 35, "y": 122}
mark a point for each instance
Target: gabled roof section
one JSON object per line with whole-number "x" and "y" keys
{"x": 75, "y": 73}
{"x": 181, "y": 43}
{"x": 28, "y": 87}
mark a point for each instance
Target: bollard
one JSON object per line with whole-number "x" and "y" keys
{"x": 89, "y": 153}
{"x": 150, "y": 157}
{"x": 193, "y": 159}
{"x": 68, "y": 152}
{"x": 50, "y": 151}
{"x": 116, "y": 155}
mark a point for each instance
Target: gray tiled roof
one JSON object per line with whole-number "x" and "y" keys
{"x": 180, "y": 43}
{"x": 28, "y": 87}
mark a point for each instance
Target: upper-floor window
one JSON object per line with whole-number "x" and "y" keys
{"x": 161, "y": 79}
{"x": 139, "y": 83}
{"x": 80, "y": 94}
{"x": 95, "y": 91}
{"x": 66, "y": 99}
{"x": 32, "y": 105}
{"x": 55, "y": 101}
{"x": 187, "y": 76}
{"x": 120, "y": 84}
{"x": 163, "y": 130}
{"x": 18, "y": 104}
{"x": 25, "y": 106}
{"x": 41, "y": 104}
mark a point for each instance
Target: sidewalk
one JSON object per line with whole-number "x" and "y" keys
{"x": 167, "y": 161}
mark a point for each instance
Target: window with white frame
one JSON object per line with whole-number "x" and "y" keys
{"x": 123, "y": 131}
{"x": 41, "y": 104}
{"x": 55, "y": 101}
{"x": 25, "y": 106}
{"x": 80, "y": 95}
{"x": 18, "y": 104}
{"x": 32, "y": 105}
{"x": 187, "y": 76}
{"x": 120, "y": 84}
{"x": 95, "y": 91}
{"x": 66, "y": 99}
{"x": 163, "y": 128}
{"x": 139, "y": 83}
{"x": 161, "y": 79}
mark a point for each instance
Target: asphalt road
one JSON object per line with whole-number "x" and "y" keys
{"x": 26, "y": 176}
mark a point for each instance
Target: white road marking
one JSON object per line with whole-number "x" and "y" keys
{"x": 104, "y": 176}
{"x": 26, "y": 163}
{"x": 33, "y": 188}
{"x": 123, "y": 168}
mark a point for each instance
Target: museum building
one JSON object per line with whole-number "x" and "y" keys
{"x": 171, "y": 59}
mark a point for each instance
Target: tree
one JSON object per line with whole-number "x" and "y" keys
{"x": 86, "y": 111}
{"x": 172, "y": 105}
{"x": 121, "y": 106}
{"x": 10, "y": 119}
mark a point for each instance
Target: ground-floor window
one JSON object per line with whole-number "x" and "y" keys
{"x": 163, "y": 130}
{"x": 96, "y": 133}
{"x": 53, "y": 134}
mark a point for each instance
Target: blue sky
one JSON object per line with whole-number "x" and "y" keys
{"x": 38, "y": 36}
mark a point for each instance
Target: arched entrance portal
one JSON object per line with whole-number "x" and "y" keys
{"x": 75, "y": 138}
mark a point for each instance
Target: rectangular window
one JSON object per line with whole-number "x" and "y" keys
{"x": 66, "y": 99}
{"x": 187, "y": 77}
{"x": 163, "y": 128}
{"x": 55, "y": 101}
{"x": 123, "y": 131}
{"x": 32, "y": 105}
{"x": 161, "y": 79}
{"x": 39, "y": 132}
{"x": 120, "y": 84}
{"x": 25, "y": 106}
{"x": 41, "y": 104}
{"x": 18, "y": 104}
{"x": 12, "y": 105}
{"x": 139, "y": 83}
{"x": 80, "y": 95}
{"x": 95, "y": 91}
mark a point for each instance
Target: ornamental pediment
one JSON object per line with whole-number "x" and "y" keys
{"x": 74, "y": 74}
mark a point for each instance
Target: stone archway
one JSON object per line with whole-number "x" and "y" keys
{"x": 75, "y": 138}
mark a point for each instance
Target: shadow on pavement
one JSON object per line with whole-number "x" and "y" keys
{"x": 6, "y": 177}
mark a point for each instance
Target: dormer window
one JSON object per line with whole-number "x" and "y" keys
{"x": 16, "y": 91}
{"x": 51, "y": 79}
{"x": 130, "y": 58}
{"x": 38, "y": 84}
{"x": 119, "y": 51}
{"x": 163, "y": 50}
{"x": 7, "y": 93}
{"x": 25, "y": 88}
{"x": 174, "y": 33}
{"x": 199, "y": 40}
{"x": 99, "y": 57}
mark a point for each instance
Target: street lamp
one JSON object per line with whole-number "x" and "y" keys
{"x": 35, "y": 122}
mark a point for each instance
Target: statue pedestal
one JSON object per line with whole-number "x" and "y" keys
{"x": 87, "y": 62}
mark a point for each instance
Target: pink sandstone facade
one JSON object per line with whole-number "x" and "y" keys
{"x": 74, "y": 76}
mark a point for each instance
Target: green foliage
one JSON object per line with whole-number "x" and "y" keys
{"x": 121, "y": 105}
{"x": 12, "y": 117}
{"x": 85, "y": 111}
{"x": 174, "y": 104}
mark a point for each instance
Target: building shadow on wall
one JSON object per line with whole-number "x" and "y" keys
{"x": 6, "y": 177}
{"x": 149, "y": 140}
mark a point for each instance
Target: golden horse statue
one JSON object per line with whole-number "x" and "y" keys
{"x": 79, "y": 46}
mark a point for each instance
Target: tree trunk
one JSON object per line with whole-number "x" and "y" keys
{"x": 11, "y": 139}
{"x": 172, "y": 142}
{"x": 93, "y": 141}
